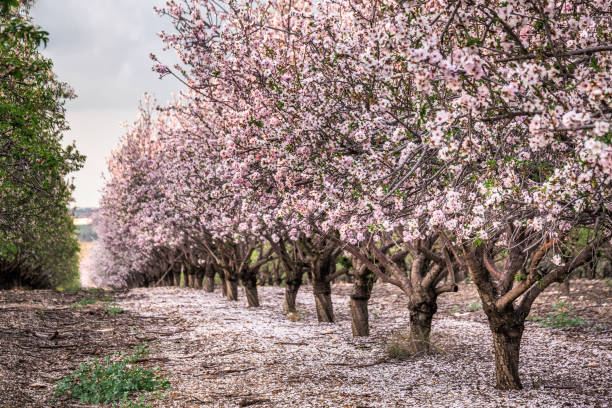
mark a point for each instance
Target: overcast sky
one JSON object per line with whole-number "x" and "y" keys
{"x": 101, "y": 48}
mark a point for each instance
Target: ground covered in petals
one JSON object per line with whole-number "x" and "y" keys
{"x": 221, "y": 353}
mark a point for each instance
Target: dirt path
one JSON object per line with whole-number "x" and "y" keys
{"x": 220, "y": 353}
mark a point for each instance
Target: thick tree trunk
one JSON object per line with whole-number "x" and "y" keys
{"x": 566, "y": 287}
{"x": 209, "y": 278}
{"x": 250, "y": 288}
{"x": 176, "y": 277}
{"x": 323, "y": 301}
{"x": 422, "y": 307}
{"x": 323, "y": 267}
{"x": 223, "y": 282}
{"x": 291, "y": 292}
{"x": 198, "y": 276}
{"x": 362, "y": 289}
{"x": 232, "y": 287}
{"x": 507, "y": 334}
{"x": 164, "y": 280}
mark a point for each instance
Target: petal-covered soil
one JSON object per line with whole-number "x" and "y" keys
{"x": 221, "y": 353}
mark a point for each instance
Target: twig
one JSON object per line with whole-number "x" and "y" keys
{"x": 246, "y": 402}
{"x": 291, "y": 343}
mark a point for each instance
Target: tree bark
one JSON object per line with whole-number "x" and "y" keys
{"x": 223, "y": 281}
{"x": 209, "y": 278}
{"x": 566, "y": 286}
{"x": 176, "y": 277}
{"x": 507, "y": 334}
{"x": 291, "y": 291}
{"x": 323, "y": 301}
{"x": 198, "y": 276}
{"x": 362, "y": 289}
{"x": 168, "y": 279}
{"x": 422, "y": 307}
{"x": 232, "y": 287}
{"x": 323, "y": 267}
{"x": 182, "y": 278}
{"x": 250, "y": 288}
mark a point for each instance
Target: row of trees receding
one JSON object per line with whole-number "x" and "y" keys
{"x": 38, "y": 246}
{"x": 409, "y": 142}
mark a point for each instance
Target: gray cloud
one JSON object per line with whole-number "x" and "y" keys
{"x": 101, "y": 48}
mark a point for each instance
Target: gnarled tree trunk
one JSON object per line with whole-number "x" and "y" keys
{"x": 223, "y": 281}
{"x": 422, "y": 307}
{"x": 507, "y": 333}
{"x": 250, "y": 288}
{"x": 321, "y": 287}
{"x": 231, "y": 282}
{"x": 323, "y": 301}
{"x": 176, "y": 276}
{"x": 362, "y": 289}
{"x": 291, "y": 291}
{"x": 198, "y": 276}
{"x": 209, "y": 278}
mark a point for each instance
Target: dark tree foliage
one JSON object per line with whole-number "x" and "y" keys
{"x": 38, "y": 246}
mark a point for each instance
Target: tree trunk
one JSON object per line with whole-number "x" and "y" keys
{"x": 323, "y": 267}
{"x": 506, "y": 343}
{"x": 422, "y": 307}
{"x": 250, "y": 288}
{"x": 566, "y": 287}
{"x": 182, "y": 278}
{"x": 362, "y": 289}
{"x": 167, "y": 281}
{"x": 223, "y": 282}
{"x": 176, "y": 277}
{"x": 291, "y": 292}
{"x": 209, "y": 278}
{"x": 323, "y": 301}
{"x": 232, "y": 288}
{"x": 198, "y": 276}
{"x": 189, "y": 281}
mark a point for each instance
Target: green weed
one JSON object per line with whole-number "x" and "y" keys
{"x": 97, "y": 295}
{"x": 474, "y": 306}
{"x": 398, "y": 347}
{"x": 455, "y": 310}
{"x": 120, "y": 383}
{"x": 84, "y": 302}
{"x": 563, "y": 316}
{"x": 113, "y": 309}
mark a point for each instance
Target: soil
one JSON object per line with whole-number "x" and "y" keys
{"x": 219, "y": 353}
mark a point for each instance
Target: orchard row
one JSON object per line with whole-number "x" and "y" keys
{"x": 410, "y": 142}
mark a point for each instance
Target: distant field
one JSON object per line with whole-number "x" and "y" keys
{"x": 85, "y": 248}
{"x": 86, "y": 233}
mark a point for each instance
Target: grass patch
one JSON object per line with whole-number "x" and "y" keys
{"x": 98, "y": 295}
{"x": 113, "y": 309}
{"x": 474, "y": 306}
{"x": 400, "y": 346}
{"x": 294, "y": 316}
{"x": 115, "y": 380}
{"x": 96, "y": 291}
{"x": 563, "y": 316}
{"x": 84, "y": 302}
